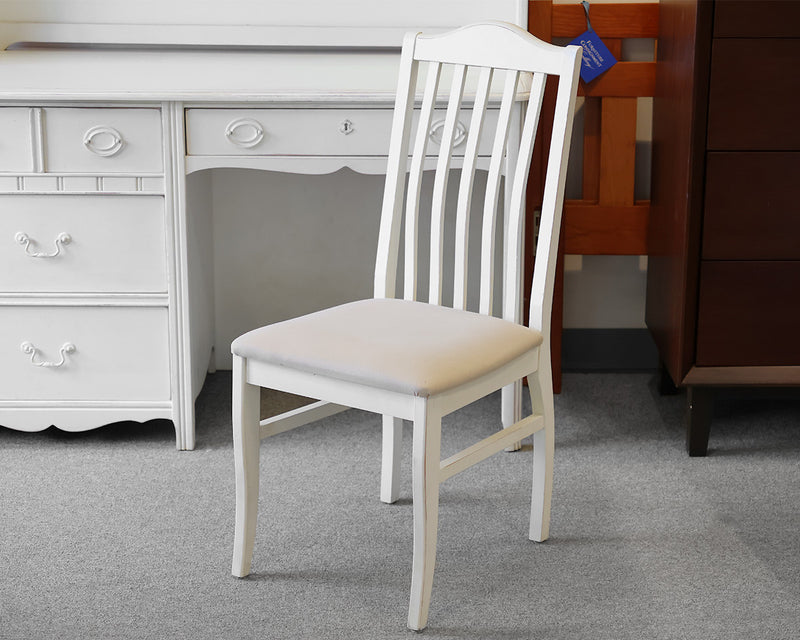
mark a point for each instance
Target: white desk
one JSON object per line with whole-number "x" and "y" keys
{"x": 103, "y": 289}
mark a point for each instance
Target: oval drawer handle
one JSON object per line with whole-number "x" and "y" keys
{"x": 66, "y": 348}
{"x": 103, "y": 141}
{"x": 61, "y": 240}
{"x": 242, "y": 125}
{"x": 435, "y": 133}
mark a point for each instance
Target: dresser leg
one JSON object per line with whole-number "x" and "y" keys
{"x": 698, "y": 424}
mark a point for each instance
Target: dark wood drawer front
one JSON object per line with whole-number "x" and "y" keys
{"x": 752, "y": 207}
{"x": 753, "y": 97}
{"x": 757, "y": 19}
{"x": 749, "y": 314}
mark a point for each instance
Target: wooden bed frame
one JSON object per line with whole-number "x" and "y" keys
{"x": 607, "y": 220}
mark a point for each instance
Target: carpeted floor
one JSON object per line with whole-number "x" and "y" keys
{"x": 113, "y": 534}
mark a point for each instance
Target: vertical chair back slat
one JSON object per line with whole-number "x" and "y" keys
{"x": 440, "y": 184}
{"x": 514, "y": 225}
{"x": 385, "y": 278}
{"x": 544, "y": 269}
{"x": 493, "y": 191}
{"x": 415, "y": 181}
{"x": 505, "y": 56}
{"x": 465, "y": 188}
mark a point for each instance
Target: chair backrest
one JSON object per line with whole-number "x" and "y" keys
{"x": 496, "y": 62}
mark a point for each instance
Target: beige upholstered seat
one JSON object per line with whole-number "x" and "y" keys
{"x": 397, "y": 345}
{"x": 416, "y": 361}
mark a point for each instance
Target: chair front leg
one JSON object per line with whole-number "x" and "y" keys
{"x": 425, "y": 476}
{"x": 246, "y": 444}
{"x": 540, "y": 385}
{"x": 390, "y": 458}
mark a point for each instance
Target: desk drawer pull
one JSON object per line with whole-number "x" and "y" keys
{"x": 435, "y": 133}
{"x": 103, "y": 141}
{"x": 66, "y": 348}
{"x": 244, "y": 126}
{"x": 61, "y": 240}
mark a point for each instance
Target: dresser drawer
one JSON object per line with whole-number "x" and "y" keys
{"x": 107, "y": 140}
{"x": 326, "y": 132}
{"x": 748, "y": 313}
{"x": 16, "y": 152}
{"x": 752, "y": 95}
{"x": 756, "y": 19}
{"x": 752, "y": 206}
{"x": 82, "y": 244}
{"x": 84, "y": 353}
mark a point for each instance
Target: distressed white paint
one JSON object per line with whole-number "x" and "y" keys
{"x": 508, "y": 48}
{"x": 109, "y": 123}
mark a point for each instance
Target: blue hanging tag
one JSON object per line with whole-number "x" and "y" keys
{"x": 597, "y": 58}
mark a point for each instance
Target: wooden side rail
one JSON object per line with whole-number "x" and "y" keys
{"x": 607, "y": 220}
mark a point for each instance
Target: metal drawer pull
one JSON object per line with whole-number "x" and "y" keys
{"x": 29, "y": 349}
{"x": 435, "y": 133}
{"x": 242, "y": 125}
{"x": 61, "y": 240}
{"x": 103, "y": 141}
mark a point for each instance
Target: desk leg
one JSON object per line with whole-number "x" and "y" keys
{"x": 178, "y": 250}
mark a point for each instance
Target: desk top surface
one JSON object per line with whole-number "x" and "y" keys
{"x": 196, "y": 50}
{"x": 361, "y": 76}
{"x": 199, "y": 75}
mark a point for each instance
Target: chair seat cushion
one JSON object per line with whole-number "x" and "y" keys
{"x": 398, "y": 345}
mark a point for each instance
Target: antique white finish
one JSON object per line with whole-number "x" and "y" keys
{"x": 99, "y": 247}
{"x": 32, "y": 351}
{"x": 435, "y": 133}
{"x": 254, "y": 23}
{"x": 98, "y": 142}
{"x": 233, "y": 132}
{"x": 120, "y": 354}
{"x": 409, "y": 360}
{"x": 308, "y": 132}
{"x": 104, "y": 141}
{"x": 61, "y": 240}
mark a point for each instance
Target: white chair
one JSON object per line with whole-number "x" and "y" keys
{"x": 419, "y": 361}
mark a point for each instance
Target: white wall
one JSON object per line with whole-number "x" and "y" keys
{"x": 287, "y": 244}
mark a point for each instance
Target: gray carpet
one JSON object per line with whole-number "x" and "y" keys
{"x": 114, "y": 534}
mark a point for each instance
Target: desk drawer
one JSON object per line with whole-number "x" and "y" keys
{"x": 324, "y": 132}
{"x": 16, "y": 154}
{"x": 82, "y": 244}
{"x": 105, "y": 140}
{"x": 120, "y": 353}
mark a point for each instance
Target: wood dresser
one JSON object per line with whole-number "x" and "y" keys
{"x": 724, "y": 236}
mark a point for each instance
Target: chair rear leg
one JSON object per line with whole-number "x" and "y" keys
{"x": 511, "y": 408}
{"x": 541, "y": 389}
{"x": 390, "y": 459}
{"x": 425, "y": 467}
{"x": 246, "y": 444}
